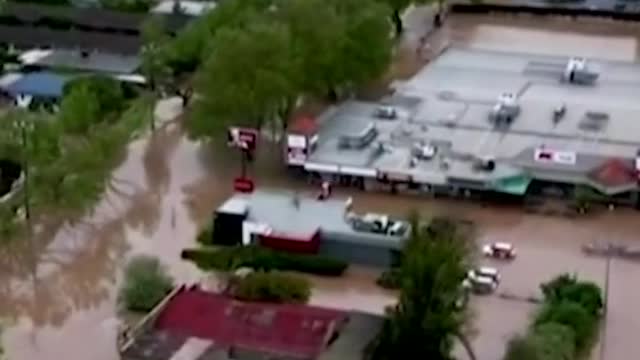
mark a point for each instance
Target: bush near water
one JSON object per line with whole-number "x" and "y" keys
{"x": 566, "y": 325}
{"x": 259, "y": 258}
{"x": 273, "y": 287}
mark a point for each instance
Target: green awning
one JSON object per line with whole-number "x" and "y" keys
{"x": 515, "y": 185}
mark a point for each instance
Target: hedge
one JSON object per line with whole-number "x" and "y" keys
{"x": 146, "y": 283}
{"x": 274, "y": 287}
{"x": 259, "y": 258}
{"x": 565, "y": 326}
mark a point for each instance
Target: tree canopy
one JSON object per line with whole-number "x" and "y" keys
{"x": 247, "y": 79}
{"x": 564, "y": 327}
{"x": 428, "y": 318}
{"x": 259, "y": 57}
{"x": 68, "y": 156}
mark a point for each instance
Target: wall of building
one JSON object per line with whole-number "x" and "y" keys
{"x": 289, "y": 244}
{"x": 357, "y": 253}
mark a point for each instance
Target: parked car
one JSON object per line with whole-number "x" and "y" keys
{"x": 481, "y": 285}
{"x": 501, "y": 250}
{"x": 484, "y": 271}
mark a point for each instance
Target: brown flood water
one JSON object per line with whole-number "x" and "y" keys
{"x": 58, "y": 298}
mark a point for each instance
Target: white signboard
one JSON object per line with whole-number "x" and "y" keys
{"x": 296, "y": 141}
{"x": 296, "y": 156}
{"x": 554, "y": 156}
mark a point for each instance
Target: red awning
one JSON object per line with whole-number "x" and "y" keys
{"x": 614, "y": 172}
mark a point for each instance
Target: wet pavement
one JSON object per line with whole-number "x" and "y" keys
{"x": 57, "y": 295}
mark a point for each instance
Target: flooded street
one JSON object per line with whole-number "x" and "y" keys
{"x": 58, "y": 294}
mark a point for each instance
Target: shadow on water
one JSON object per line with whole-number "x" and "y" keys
{"x": 57, "y": 292}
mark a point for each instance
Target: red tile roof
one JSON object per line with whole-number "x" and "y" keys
{"x": 292, "y": 330}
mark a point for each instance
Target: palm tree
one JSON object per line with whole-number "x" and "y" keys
{"x": 428, "y": 318}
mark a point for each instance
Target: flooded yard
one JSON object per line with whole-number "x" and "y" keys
{"x": 58, "y": 294}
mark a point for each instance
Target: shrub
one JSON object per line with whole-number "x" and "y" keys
{"x": 272, "y": 287}
{"x": 567, "y": 288}
{"x": 389, "y": 279}
{"x": 554, "y": 341}
{"x": 573, "y": 315}
{"x": 566, "y": 325}
{"x": 548, "y": 342}
{"x": 205, "y": 236}
{"x": 145, "y": 284}
{"x": 259, "y": 258}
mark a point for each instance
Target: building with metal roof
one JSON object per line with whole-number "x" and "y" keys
{"x": 490, "y": 121}
{"x": 295, "y": 222}
{"x": 27, "y": 26}
{"x": 198, "y": 325}
{"x": 81, "y": 61}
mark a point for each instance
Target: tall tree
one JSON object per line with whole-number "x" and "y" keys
{"x": 154, "y": 61}
{"x": 366, "y": 51}
{"x": 399, "y": 6}
{"x": 428, "y": 317}
{"x": 246, "y": 80}
{"x": 193, "y": 45}
{"x": 317, "y": 37}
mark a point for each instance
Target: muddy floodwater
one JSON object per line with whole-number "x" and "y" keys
{"x": 58, "y": 293}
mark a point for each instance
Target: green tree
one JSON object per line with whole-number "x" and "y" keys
{"x": 317, "y": 37}
{"x": 90, "y": 100}
{"x": 555, "y": 341}
{"x": 399, "y": 6}
{"x": 246, "y": 80}
{"x": 428, "y": 318}
{"x": 272, "y": 287}
{"x": 572, "y": 315}
{"x": 341, "y": 44}
{"x": 522, "y": 347}
{"x": 146, "y": 283}
{"x": 193, "y": 45}
{"x": 566, "y": 287}
{"x": 154, "y": 60}
{"x": 548, "y": 341}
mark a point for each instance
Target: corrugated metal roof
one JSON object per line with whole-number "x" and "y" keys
{"x": 95, "y": 61}
{"x": 31, "y": 37}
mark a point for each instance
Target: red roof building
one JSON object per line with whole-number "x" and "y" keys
{"x": 293, "y": 331}
{"x": 193, "y": 324}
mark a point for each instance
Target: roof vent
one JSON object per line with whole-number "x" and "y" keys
{"x": 505, "y": 110}
{"x": 577, "y": 71}
{"x": 424, "y": 151}
{"x": 594, "y": 121}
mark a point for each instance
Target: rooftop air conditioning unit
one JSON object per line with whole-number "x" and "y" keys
{"x": 506, "y": 109}
{"x": 424, "y": 151}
